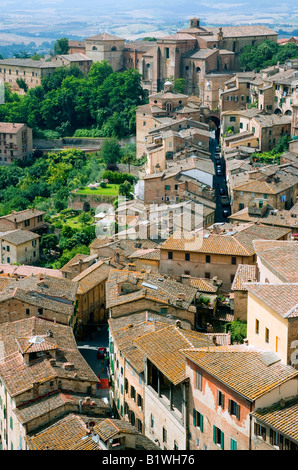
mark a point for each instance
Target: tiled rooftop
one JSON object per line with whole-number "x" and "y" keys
{"x": 243, "y": 369}
{"x": 150, "y": 285}
{"x": 20, "y": 216}
{"x": 281, "y": 257}
{"x": 226, "y": 243}
{"x": 18, "y": 237}
{"x": 282, "y": 298}
{"x": 62, "y": 401}
{"x": 244, "y": 273}
{"x": 73, "y": 433}
{"x": 282, "y": 416}
{"x": 56, "y": 294}
{"x": 163, "y": 347}
{"x": 18, "y": 377}
{"x": 92, "y": 276}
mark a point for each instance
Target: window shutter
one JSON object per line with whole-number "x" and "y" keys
{"x": 238, "y": 411}
{"x": 271, "y": 436}
{"x": 214, "y": 434}
{"x": 201, "y": 422}
{"x": 222, "y": 440}
{"x": 230, "y": 406}
{"x": 218, "y": 399}
{"x": 194, "y": 417}
{"x": 222, "y": 401}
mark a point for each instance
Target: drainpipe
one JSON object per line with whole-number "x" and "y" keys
{"x": 250, "y": 423}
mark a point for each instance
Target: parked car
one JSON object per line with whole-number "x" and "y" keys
{"x": 101, "y": 353}
{"x": 217, "y": 156}
{"x": 222, "y": 191}
{"x": 225, "y": 201}
{"x": 217, "y": 149}
{"x": 225, "y": 213}
{"x": 218, "y": 171}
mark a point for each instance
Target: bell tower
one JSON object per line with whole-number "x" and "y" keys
{"x": 195, "y": 22}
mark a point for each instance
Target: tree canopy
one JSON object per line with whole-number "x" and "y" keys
{"x": 102, "y": 103}
{"x": 266, "y": 54}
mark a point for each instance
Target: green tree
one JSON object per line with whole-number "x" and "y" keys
{"x": 61, "y": 46}
{"x": 111, "y": 152}
{"x": 22, "y": 84}
{"x": 125, "y": 189}
{"x": 49, "y": 242}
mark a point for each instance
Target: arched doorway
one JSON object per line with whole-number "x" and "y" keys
{"x": 214, "y": 125}
{"x": 278, "y": 111}
{"x": 86, "y": 207}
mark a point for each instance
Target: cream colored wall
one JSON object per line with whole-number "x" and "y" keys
{"x": 266, "y": 275}
{"x": 162, "y": 418}
{"x": 285, "y": 391}
{"x": 278, "y": 327}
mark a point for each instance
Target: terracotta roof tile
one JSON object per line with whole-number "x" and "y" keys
{"x": 281, "y": 416}
{"x": 282, "y": 298}
{"x": 243, "y": 369}
{"x": 163, "y": 349}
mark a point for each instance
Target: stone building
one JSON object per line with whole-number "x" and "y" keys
{"x": 42, "y": 296}
{"x": 81, "y": 432}
{"x": 91, "y": 294}
{"x": 107, "y": 47}
{"x": 227, "y": 384}
{"x": 28, "y": 219}
{"x": 166, "y": 384}
{"x": 15, "y": 142}
{"x": 19, "y": 246}
{"x": 41, "y": 369}
{"x": 208, "y": 255}
{"x": 129, "y": 292}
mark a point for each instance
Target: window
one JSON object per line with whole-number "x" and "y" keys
{"x": 151, "y": 421}
{"x": 198, "y": 380}
{"x": 187, "y": 257}
{"x": 27, "y": 311}
{"x": 257, "y": 327}
{"x": 167, "y": 52}
{"x": 133, "y": 393}
{"x": 220, "y": 399}
{"x": 8, "y": 248}
{"x": 234, "y": 409}
{"x": 218, "y": 437}
{"x": 207, "y": 275}
{"x": 163, "y": 310}
{"x": 140, "y": 401}
{"x": 233, "y": 259}
{"x": 198, "y": 420}
{"x": 167, "y": 187}
{"x": 233, "y": 444}
{"x": 266, "y": 335}
{"x": 232, "y": 119}
{"x": 27, "y": 223}
{"x": 208, "y": 259}
{"x": 241, "y": 125}
{"x": 170, "y": 255}
{"x": 8, "y": 259}
{"x": 40, "y": 311}
{"x": 260, "y": 431}
{"x": 164, "y": 435}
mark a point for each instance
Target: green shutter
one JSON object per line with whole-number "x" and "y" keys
{"x": 233, "y": 445}
{"x": 194, "y": 417}
{"x": 214, "y": 434}
{"x": 222, "y": 440}
{"x": 201, "y": 422}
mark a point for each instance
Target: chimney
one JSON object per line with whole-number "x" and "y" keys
{"x": 178, "y": 324}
